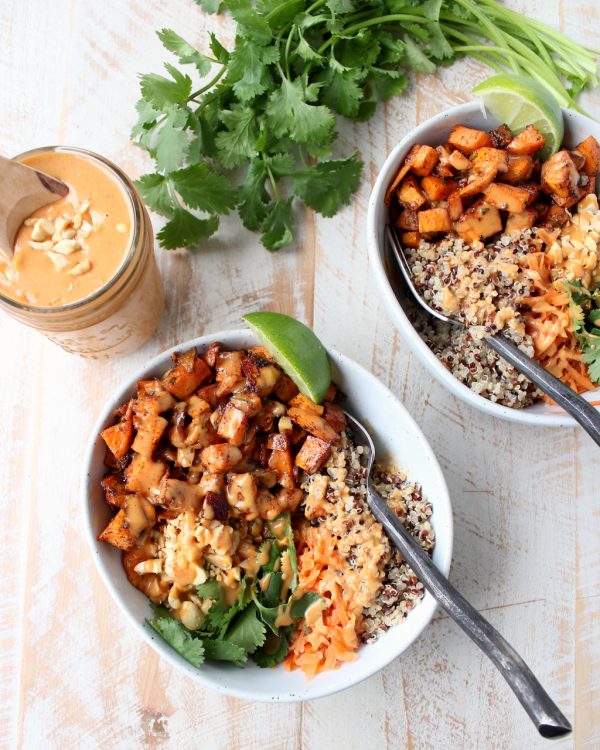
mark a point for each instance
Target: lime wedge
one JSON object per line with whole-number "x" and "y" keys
{"x": 296, "y": 349}
{"x": 520, "y": 101}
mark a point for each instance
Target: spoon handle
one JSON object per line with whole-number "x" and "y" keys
{"x": 542, "y": 710}
{"x": 586, "y": 414}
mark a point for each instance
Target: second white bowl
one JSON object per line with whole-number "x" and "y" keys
{"x": 433, "y": 132}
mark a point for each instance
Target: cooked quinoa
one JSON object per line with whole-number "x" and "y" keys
{"x": 386, "y": 587}
{"x": 482, "y": 287}
{"x": 477, "y": 365}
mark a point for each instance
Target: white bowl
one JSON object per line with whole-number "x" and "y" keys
{"x": 397, "y": 437}
{"x": 434, "y": 132}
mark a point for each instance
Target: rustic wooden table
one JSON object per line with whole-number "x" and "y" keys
{"x": 527, "y": 551}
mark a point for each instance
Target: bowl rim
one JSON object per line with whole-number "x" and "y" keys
{"x": 395, "y": 309}
{"x": 163, "y": 649}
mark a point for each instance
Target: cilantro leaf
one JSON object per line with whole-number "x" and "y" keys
{"x": 249, "y": 23}
{"x": 154, "y": 189}
{"x": 299, "y": 606}
{"x": 328, "y": 185}
{"x": 220, "y": 650}
{"x": 171, "y": 145}
{"x": 237, "y": 143}
{"x": 186, "y": 54}
{"x": 271, "y": 596}
{"x": 277, "y": 226}
{"x": 220, "y": 53}
{"x": 246, "y": 630}
{"x": 289, "y": 113}
{"x": 342, "y": 91}
{"x": 248, "y": 69}
{"x": 210, "y": 589}
{"x": 211, "y": 6}
{"x": 179, "y": 638}
{"x": 147, "y": 116}
{"x": 203, "y": 138}
{"x": 416, "y": 58}
{"x": 254, "y": 198}
{"x": 204, "y": 189}
{"x": 185, "y": 230}
{"x": 160, "y": 91}
{"x": 274, "y": 650}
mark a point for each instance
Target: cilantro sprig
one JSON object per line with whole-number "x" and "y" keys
{"x": 254, "y": 128}
{"x": 248, "y": 628}
{"x": 584, "y": 306}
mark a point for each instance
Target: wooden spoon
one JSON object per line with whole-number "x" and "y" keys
{"x": 23, "y": 191}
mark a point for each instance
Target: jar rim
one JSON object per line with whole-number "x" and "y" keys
{"x": 136, "y": 211}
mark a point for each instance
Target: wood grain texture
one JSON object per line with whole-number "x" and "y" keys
{"x": 526, "y": 512}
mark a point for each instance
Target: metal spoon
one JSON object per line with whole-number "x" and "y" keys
{"x": 542, "y": 710}
{"x": 582, "y": 411}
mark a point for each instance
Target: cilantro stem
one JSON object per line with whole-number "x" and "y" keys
{"x": 272, "y": 180}
{"x": 193, "y": 96}
{"x": 286, "y": 54}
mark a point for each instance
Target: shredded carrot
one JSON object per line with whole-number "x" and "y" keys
{"x": 548, "y": 321}
{"x": 331, "y": 640}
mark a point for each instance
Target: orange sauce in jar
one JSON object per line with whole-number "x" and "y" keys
{"x": 69, "y": 249}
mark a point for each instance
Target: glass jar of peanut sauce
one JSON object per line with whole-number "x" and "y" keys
{"x": 123, "y": 312}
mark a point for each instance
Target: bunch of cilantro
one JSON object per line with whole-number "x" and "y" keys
{"x": 257, "y": 129}
{"x": 584, "y": 306}
{"x": 248, "y": 628}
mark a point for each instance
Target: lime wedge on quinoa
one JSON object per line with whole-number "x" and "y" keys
{"x": 520, "y": 101}
{"x": 296, "y": 349}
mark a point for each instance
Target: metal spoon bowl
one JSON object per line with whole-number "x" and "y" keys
{"x": 580, "y": 409}
{"x": 542, "y": 710}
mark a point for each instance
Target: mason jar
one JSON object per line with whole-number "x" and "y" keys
{"x": 122, "y": 314}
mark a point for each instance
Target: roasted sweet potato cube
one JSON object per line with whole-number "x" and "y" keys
{"x": 518, "y": 222}
{"x": 559, "y": 175}
{"x": 455, "y": 206}
{"x": 229, "y": 375}
{"x": 483, "y": 219}
{"x": 556, "y": 217}
{"x": 465, "y": 231}
{"x": 232, "y": 424}
{"x": 507, "y": 197}
{"x": 459, "y": 161}
{"x": 114, "y": 490}
{"x": 528, "y": 141}
{"x": 532, "y": 189}
{"x": 278, "y": 441}
{"x": 520, "y": 167}
{"x": 408, "y": 218}
{"x": 144, "y": 475}
{"x": 491, "y": 156}
{"x": 424, "y": 160}
{"x": 409, "y": 193}
{"x": 314, "y": 424}
{"x": 300, "y": 401}
{"x": 402, "y": 172}
{"x": 189, "y": 372}
{"x": 282, "y": 463}
{"x": 118, "y": 533}
{"x": 334, "y": 416}
{"x": 209, "y": 394}
{"x": 501, "y": 136}
{"x": 434, "y": 220}
{"x": 155, "y": 388}
{"x": 330, "y": 393}
{"x": 313, "y": 454}
{"x": 149, "y": 425}
{"x": 478, "y": 179}
{"x": 286, "y": 389}
{"x": 118, "y": 438}
{"x": 443, "y": 167}
{"x": 436, "y": 189}
{"x": 249, "y": 403}
{"x": 261, "y": 375}
{"x": 411, "y": 239}
{"x": 590, "y": 150}
{"x": 220, "y": 457}
{"x": 468, "y": 140}
{"x": 210, "y": 355}
{"x": 578, "y": 160}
